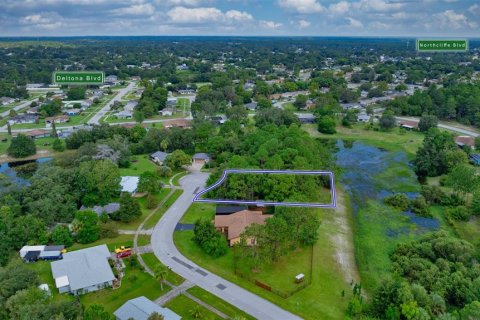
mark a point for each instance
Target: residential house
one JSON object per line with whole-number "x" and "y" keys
{"x": 33, "y": 110}
{"x": 142, "y": 308}
{"x": 166, "y": 112}
{"x": 124, "y": 114}
{"x": 465, "y": 141}
{"x": 73, "y": 112}
{"x": 129, "y": 184}
{"x": 251, "y": 106}
{"x": 37, "y": 133}
{"x": 108, "y": 209}
{"x": 23, "y": 118}
{"x": 183, "y": 66}
{"x": 200, "y": 158}
{"x": 130, "y": 106}
{"x": 112, "y": 79}
{"x": 158, "y": 157}
{"x": 6, "y": 100}
{"x": 224, "y": 210}
{"x": 57, "y": 119}
{"x": 305, "y": 117}
{"x": 233, "y": 225}
{"x": 220, "y": 119}
{"x": 186, "y": 91}
{"x": 408, "y": 124}
{"x": 83, "y": 271}
{"x": 35, "y": 86}
{"x": 475, "y": 159}
{"x": 177, "y": 123}
{"x": 363, "y": 117}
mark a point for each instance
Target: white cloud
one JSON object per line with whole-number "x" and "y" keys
{"x": 272, "y": 25}
{"x": 453, "y": 20}
{"x": 181, "y": 2}
{"x": 303, "y": 24}
{"x": 48, "y": 21}
{"x": 340, "y": 7}
{"x": 235, "y": 15}
{"x": 355, "y": 23}
{"x": 201, "y": 15}
{"x": 301, "y": 6}
{"x": 377, "y": 5}
{"x": 474, "y": 9}
{"x": 145, "y": 9}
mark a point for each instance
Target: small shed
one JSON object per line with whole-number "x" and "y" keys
{"x": 475, "y": 159}
{"x": 299, "y": 278}
{"x": 31, "y": 256}
{"x": 201, "y": 158}
{"x": 50, "y": 255}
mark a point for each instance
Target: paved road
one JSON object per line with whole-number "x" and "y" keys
{"x": 122, "y": 92}
{"x": 444, "y": 126}
{"x": 167, "y": 253}
{"x": 20, "y": 106}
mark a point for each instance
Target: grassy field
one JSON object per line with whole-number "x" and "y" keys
{"x": 44, "y": 272}
{"x": 150, "y": 223}
{"x": 321, "y": 300}
{"x": 218, "y": 303}
{"x": 184, "y": 307}
{"x": 140, "y": 164}
{"x": 121, "y": 240}
{"x": 408, "y": 141}
{"x": 134, "y": 284}
{"x": 153, "y": 263}
{"x": 143, "y": 240}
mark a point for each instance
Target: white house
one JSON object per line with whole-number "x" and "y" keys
{"x": 83, "y": 271}
{"x": 159, "y": 157}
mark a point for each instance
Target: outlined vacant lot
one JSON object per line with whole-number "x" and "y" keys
{"x": 326, "y": 176}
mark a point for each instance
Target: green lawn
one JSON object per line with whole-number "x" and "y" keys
{"x": 44, "y": 272}
{"x": 218, "y": 303}
{"x": 152, "y": 262}
{"x": 184, "y": 306}
{"x": 175, "y": 180}
{"x": 140, "y": 164}
{"x": 199, "y": 210}
{"x": 121, "y": 240}
{"x": 143, "y": 240}
{"x": 135, "y": 283}
{"x": 150, "y": 223}
{"x": 321, "y": 300}
{"x": 469, "y": 230}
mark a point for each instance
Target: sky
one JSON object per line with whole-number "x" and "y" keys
{"x": 434, "y": 18}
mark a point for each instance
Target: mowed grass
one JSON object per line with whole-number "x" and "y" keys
{"x": 184, "y": 307}
{"x": 143, "y": 240}
{"x": 218, "y": 303}
{"x": 321, "y": 300}
{"x": 153, "y": 263}
{"x": 152, "y": 221}
{"x": 120, "y": 240}
{"x": 140, "y": 164}
{"x": 197, "y": 211}
{"x": 135, "y": 283}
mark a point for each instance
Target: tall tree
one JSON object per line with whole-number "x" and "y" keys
{"x": 21, "y": 147}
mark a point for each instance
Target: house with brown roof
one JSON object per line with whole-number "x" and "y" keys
{"x": 34, "y": 134}
{"x": 57, "y": 119}
{"x": 465, "y": 141}
{"x": 408, "y": 124}
{"x": 177, "y": 123}
{"x": 233, "y": 225}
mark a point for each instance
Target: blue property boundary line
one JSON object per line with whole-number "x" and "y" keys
{"x": 333, "y": 204}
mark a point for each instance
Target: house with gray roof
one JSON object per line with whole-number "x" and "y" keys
{"x": 159, "y": 157}
{"x": 108, "y": 208}
{"x": 83, "y": 271}
{"x": 141, "y": 308}
{"x": 200, "y": 158}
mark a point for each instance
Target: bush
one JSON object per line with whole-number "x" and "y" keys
{"x": 420, "y": 207}
{"x": 58, "y": 145}
{"x": 108, "y": 230}
{"x": 460, "y": 213}
{"x": 164, "y": 171}
{"x": 21, "y": 147}
{"x": 475, "y": 205}
{"x": 432, "y": 194}
{"x": 398, "y": 200}
{"x": 209, "y": 239}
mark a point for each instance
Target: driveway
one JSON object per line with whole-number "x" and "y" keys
{"x": 122, "y": 92}
{"x": 165, "y": 250}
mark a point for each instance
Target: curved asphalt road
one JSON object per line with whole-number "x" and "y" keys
{"x": 444, "y": 126}
{"x": 167, "y": 253}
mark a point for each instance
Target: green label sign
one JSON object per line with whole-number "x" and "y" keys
{"x": 442, "y": 45}
{"x": 77, "y": 77}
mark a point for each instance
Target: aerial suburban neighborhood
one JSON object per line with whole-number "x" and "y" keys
{"x": 272, "y": 160}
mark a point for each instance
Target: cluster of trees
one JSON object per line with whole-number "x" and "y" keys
{"x": 458, "y": 101}
{"x": 21, "y": 299}
{"x": 76, "y": 93}
{"x": 21, "y": 147}
{"x": 153, "y": 99}
{"x": 438, "y": 278}
{"x": 287, "y": 230}
{"x": 209, "y": 239}
{"x": 50, "y": 108}
{"x": 402, "y": 202}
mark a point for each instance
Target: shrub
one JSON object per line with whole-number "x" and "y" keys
{"x": 164, "y": 171}
{"x": 460, "y": 213}
{"x": 420, "y": 207}
{"x": 398, "y": 200}
{"x": 433, "y": 194}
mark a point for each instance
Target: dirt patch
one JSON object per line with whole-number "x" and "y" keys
{"x": 343, "y": 242}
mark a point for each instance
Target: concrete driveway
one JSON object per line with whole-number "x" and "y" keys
{"x": 165, "y": 250}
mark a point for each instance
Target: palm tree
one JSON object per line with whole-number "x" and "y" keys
{"x": 161, "y": 273}
{"x": 156, "y": 316}
{"x": 164, "y": 145}
{"x": 196, "y": 313}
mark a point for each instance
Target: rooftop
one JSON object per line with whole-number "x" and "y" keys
{"x": 238, "y": 221}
